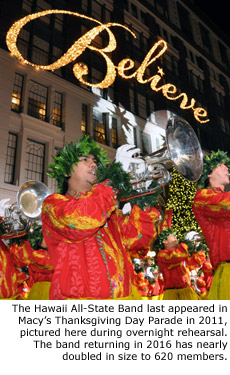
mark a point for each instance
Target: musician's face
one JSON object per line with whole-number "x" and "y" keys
{"x": 171, "y": 242}
{"x": 219, "y": 176}
{"x": 83, "y": 176}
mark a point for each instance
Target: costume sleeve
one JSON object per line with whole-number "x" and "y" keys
{"x": 173, "y": 256}
{"x": 196, "y": 260}
{"x": 201, "y": 282}
{"x": 207, "y": 267}
{"x": 211, "y": 204}
{"x": 41, "y": 258}
{"x": 138, "y": 229}
{"x": 22, "y": 253}
{"x": 74, "y": 220}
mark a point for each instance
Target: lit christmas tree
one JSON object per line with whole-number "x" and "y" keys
{"x": 180, "y": 200}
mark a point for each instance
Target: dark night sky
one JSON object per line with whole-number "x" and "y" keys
{"x": 218, "y": 11}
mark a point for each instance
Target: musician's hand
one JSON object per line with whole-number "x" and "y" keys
{"x": 126, "y": 156}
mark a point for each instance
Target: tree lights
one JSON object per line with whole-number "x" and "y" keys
{"x": 180, "y": 200}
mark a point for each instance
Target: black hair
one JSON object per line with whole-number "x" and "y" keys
{"x": 65, "y": 185}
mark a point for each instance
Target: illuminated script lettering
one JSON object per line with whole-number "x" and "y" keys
{"x": 123, "y": 69}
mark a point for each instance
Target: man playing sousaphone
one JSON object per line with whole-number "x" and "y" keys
{"x": 89, "y": 240}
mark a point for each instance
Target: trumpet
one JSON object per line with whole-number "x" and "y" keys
{"x": 182, "y": 150}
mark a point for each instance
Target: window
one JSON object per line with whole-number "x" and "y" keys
{"x": 23, "y": 42}
{"x": 137, "y": 41}
{"x": 142, "y": 110}
{"x": 132, "y": 100}
{"x": 16, "y": 99}
{"x": 100, "y": 127}
{"x": 151, "y": 112}
{"x": 196, "y": 81}
{"x": 224, "y": 56}
{"x": 170, "y": 63}
{"x": 97, "y": 77}
{"x": 115, "y": 142}
{"x": 55, "y": 182}
{"x": 27, "y": 5}
{"x": 84, "y": 6}
{"x": 192, "y": 57}
{"x": 106, "y": 15}
{"x": 134, "y": 10}
{"x": 224, "y": 125}
{"x": 40, "y": 51}
{"x": 126, "y": 5}
{"x": 165, "y": 34}
{"x": 43, "y": 5}
{"x": 144, "y": 43}
{"x": 57, "y": 53}
{"x": 37, "y": 101}
{"x": 213, "y": 75}
{"x": 10, "y": 159}
{"x": 35, "y": 157}
{"x": 84, "y": 119}
{"x": 219, "y": 99}
{"x": 185, "y": 21}
{"x": 96, "y": 10}
{"x": 57, "y": 109}
{"x": 143, "y": 18}
{"x": 58, "y": 22}
{"x": 205, "y": 36}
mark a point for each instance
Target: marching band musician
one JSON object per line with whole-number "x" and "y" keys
{"x": 175, "y": 264}
{"x": 212, "y": 211}
{"x": 25, "y": 270}
{"x": 89, "y": 240}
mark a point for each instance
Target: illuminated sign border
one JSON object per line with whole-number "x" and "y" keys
{"x": 168, "y": 90}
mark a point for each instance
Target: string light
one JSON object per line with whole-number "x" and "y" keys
{"x": 79, "y": 69}
{"x": 180, "y": 200}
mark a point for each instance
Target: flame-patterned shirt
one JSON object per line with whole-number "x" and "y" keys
{"x": 176, "y": 264}
{"x": 211, "y": 208}
{"x": 88, "y": 241}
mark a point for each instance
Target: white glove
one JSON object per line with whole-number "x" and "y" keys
{"x": 3, "y": 205}
{"x": 125, "y": 154}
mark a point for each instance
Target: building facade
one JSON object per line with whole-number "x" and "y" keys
{"x": 43, "y": 109}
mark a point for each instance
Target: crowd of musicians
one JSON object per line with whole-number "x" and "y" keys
{"x": 90, "y": 249}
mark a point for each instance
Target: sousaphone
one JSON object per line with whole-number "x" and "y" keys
{"x": 182, "y": 150}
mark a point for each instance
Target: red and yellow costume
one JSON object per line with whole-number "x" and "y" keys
{"x": 8, "y": 274}
{"x": 156, "y": 288}
{"x": 201, "y": 284}
{"x": 212, "y": 211}
{"x": 142, "y": 284}
{"x": 13, "y": 281}
{"x": 88, "y": 241}
{"x": 12, "y": 258}
{"x": 175, "y": 265}
{"x": 149, "y": 289}
{"x": 40, "y": 272}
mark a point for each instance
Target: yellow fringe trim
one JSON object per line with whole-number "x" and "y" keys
{"x": 180, "y": 294}
{"x": 220, "y": 288}
{"x": 39, "y": 291}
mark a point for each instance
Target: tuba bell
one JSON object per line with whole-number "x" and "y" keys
{"x": 30, "y": 198}
{"x": 182, "y": 150}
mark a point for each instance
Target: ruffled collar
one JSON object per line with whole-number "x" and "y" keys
{"x": 217, "y": 189}
{"x": 77, "y": 194}
{"x": 74, "y": 194}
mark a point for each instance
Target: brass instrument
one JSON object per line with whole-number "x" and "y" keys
{"x": 30, "y": 198}
{"x": 182, "y": 150}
